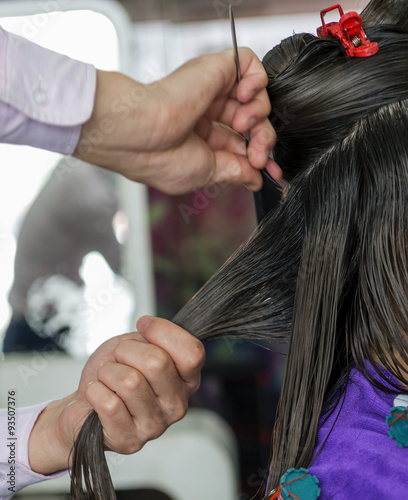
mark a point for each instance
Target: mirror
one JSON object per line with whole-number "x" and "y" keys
{"x": 66, "y": 223}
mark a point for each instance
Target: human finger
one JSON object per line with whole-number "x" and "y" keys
{"x": 274, "y": 170}
{"x": 220, "y": 137}
{"x": 262, "y": 141}
{"x": 132, "y": 388}
{"x": 248, "y": 115}
{"x": 185, "y": 350}
{"x": 118, "y": 425}
{"x": 104, "y": 353}
{"x": 197, "y": 86}
{"x": 253, "y": 75}
{"x": 221, "y": 166}
{"x": 241, "y": 115}
{"x": 263, "y": 138}
{"x": 225, "y": 115}
{"x": 155, "y": 367}
{"x": 236, "y": 169}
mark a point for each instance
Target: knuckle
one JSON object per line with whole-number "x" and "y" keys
{"x": 196, "y": 355}
{"x": 165, "y": 113}
{"x": 157, "y": 430}
{"x": 102, "y": 370}
{"x": 127, "y": 442}
{"x": 176, "y": 410}
{"x": 265, "y": 134}
{"x": 120, "y": 444}
{"x": 157, "y": 361}
{"x": 194, "y": 385}
{"x": 119, "y": 349}
{"x": 263, "y": 77}
{"x": 132, "y": 445}
{"x": 90, "y": 392}
{"x": 160, "y": 417}
{"x": 180, "y": 410}
{"x": 131, "y": 381}
{"x": 110, "y": 405}
{"x": 233, "y": 168}
{"x": 152, "y": 428}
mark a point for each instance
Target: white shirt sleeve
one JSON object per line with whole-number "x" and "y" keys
{"x": 15, "y": 470}
{"x": 45, "y": 97}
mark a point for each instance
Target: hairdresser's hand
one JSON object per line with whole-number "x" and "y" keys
{"x": 177, "y": 134}
{"x": 138, "y": 383}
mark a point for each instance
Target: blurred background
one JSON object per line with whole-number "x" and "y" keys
{"x": 142, "y": 251}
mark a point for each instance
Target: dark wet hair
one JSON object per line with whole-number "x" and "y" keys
{"x": 328, "y": 268}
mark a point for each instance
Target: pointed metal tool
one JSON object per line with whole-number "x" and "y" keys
{"x": 235, "y": 44}
{"x": 234, "y": 41}
{"x": 271, "y": 193}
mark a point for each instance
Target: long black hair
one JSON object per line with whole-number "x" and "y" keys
{"x": 327, "y": 270}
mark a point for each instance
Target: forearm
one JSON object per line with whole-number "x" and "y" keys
{"x": 48, "y": 449}
{"x": 119, "y": 124}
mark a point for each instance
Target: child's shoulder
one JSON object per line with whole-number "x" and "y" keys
{"x": 359, "y": 459}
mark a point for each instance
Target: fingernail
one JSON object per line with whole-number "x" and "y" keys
{"x": 143, "y": 323}
{"x": 252, "y": 187}
{"x": 274, "y": 169}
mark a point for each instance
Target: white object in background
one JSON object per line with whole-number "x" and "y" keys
{"x": 99, "y": 32}
{"x": 55, "y": 308}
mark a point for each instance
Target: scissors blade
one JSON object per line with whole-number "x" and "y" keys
{"x": 234, "y": 41}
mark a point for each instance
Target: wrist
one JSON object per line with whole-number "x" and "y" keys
{"x": 52, "y": 438}
{"x": 117, "y": 125}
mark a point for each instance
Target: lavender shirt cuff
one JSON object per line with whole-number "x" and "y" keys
{"x": 45, "y": 97}
{"x": 12, "y": 480}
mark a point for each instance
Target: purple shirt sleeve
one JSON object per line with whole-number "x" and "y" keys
{"x": 15, "y": 470}
{"x": 45, "y": 97}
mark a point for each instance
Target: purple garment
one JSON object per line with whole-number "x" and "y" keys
{"x": 45, "y": 97}
{"x": 359, "y": 460}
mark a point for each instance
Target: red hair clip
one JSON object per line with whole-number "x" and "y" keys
{"x": 350, "y": 32}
